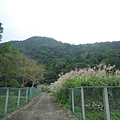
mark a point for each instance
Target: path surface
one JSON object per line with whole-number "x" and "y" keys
{"x": 43, "y": 108}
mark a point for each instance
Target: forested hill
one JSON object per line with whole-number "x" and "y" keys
{"x": 44, "y": 49}
{"x": 60, "y": 58}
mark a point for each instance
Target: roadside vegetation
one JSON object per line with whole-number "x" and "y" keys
{"x": 12, "y": 103}
{"x": 16, "y": 69}
{"x": 101, "y": 75}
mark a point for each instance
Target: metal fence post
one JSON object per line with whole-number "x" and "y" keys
{"x": 73, "y": 107}
{"x": 106, "y": 104}
{"x": 26, "y": 94}
{"x": 40, "y": 91}
{"x": 6, "y": 103}
{"x": 82, "y": 102}
{"x": 31, "y": 91}
{"x": 19, "y": 92}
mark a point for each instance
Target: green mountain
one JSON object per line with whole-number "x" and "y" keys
{"x": 44, "y": 49}
{"x": 59, "y": 58}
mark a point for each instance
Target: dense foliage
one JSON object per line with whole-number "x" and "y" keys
{"x": 17, "y": 69}
{"x": 60, "y": 58}
{"x": 93, "y": 96}
{"x": 84, "y": 77}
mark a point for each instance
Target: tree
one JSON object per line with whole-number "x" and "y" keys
{"x": 1, "y": 31}
{"x": 29, "y": 70}
{"x": 16, "y": 69}
{"x": 8, "y": 64}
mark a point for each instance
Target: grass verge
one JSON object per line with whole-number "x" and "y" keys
{"x": 12, "y": 103}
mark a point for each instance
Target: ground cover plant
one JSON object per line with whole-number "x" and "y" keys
{"x": 101, "y": 75}
{"x": 12, "y": 103}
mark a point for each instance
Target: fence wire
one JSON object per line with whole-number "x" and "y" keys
{"x": 13, "y": 98}
{"x": 114, "y": 103}
{"x": 94, "y": 109}
{"x": 99, "y": 103}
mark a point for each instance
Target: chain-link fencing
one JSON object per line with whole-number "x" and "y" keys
{"x": 96, "y": 103}
{"x": 13, "y": 98}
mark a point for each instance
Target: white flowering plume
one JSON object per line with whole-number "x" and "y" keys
{"x": 99, "y": 71}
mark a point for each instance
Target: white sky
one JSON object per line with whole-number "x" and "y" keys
{"x": 69, "y": 21}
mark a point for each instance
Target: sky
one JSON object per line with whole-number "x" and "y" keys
{"x": 68, "y": 21}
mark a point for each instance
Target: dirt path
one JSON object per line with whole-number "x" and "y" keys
{"x": 43, "y": 108}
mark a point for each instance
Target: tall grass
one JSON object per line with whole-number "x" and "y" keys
{"x": 100, "y": 75}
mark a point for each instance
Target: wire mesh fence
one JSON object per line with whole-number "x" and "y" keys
{"x": 96, "y": 103}
{"x": 13, "y": 98}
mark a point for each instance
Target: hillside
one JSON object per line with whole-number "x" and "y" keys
{"x": 60, "y": 58}
{"x": 44, "y": 49}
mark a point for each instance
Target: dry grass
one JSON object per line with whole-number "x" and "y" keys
{"x": 100, "y": 70}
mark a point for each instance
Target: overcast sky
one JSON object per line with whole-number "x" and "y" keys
{"x": 69, "y": 21}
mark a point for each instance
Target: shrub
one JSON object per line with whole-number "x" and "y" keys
{"x": 83, "y": 77}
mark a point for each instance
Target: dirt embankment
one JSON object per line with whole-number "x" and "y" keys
{"x": 42, "y": 108}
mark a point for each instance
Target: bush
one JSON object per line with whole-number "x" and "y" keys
{"x": 84, "y": 77}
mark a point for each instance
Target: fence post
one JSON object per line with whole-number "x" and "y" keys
{"x": 31, "y": 91}
{"x": 26, "y": 94}
{"x": 83, "y": 104}
{"x": 106, "y": 104}
{"x": 40, "y": 90}
{"x": 19, "y": 92}
{"x": 73, "y": 109}
{"x": 6, "y": 103}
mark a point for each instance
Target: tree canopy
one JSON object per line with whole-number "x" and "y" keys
{"x": 16, "y": 69}
{"x": 60, "y": 58}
